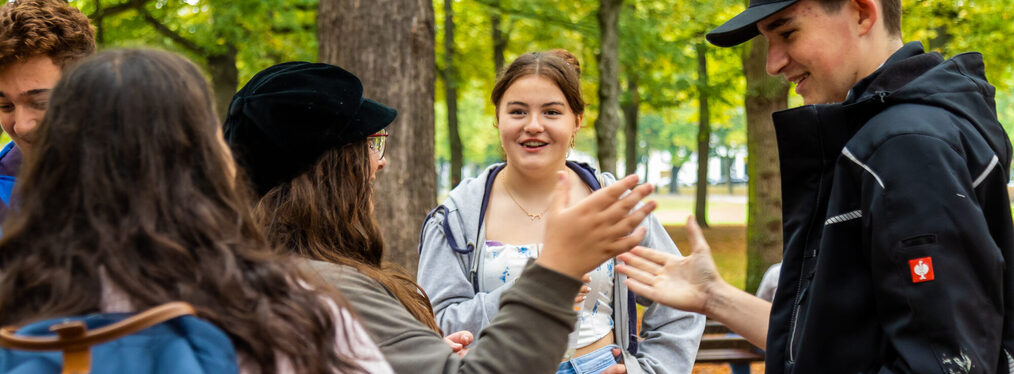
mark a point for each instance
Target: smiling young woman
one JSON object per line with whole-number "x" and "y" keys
{"x": 494, "y": 224}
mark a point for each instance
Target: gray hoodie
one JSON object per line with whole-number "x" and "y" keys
{"x": 453, "y": 234}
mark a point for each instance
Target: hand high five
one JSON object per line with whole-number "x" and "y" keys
{"x": 679, "y": 282}
{"x": 599, "y": 227}
{"x": 692, "y": 283}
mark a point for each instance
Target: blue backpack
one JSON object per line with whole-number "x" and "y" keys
{"x": 167, "y": 339}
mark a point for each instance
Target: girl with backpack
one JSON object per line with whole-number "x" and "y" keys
{"x": 129, "y": 201}
{"x": 475, "y": 244}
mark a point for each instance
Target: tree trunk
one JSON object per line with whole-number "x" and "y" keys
{"x": 451, "y": 94}
{"x": 609, "y": 84}
{"x": 703, "y": 136}
{"x": 727, "y": 171}
{"x": 389, "y": 44}
{"x": 499, "y": 38}
{"x": 764, "y": 95}
{"x": 674, "y": 186}
{"x": 939, "y": 42}
{"x": 646, "y": 170}
{"x": 630, "y": 113}
{"x": 100, "y": 35}
{"x": 224, "y": 79}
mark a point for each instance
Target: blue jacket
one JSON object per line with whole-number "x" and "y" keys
{"x": 897, "y": 226}
{"x": 10, "y": 163}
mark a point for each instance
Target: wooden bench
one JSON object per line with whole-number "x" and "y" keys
{"x": 718, "y": 346}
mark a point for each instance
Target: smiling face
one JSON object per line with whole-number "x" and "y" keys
{"x": 536, "y": 124}
{"x": 24, "y": 96}
{"x": 815, "y": 49}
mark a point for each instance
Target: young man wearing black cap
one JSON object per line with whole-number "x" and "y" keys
{"x": 896, "y": 216}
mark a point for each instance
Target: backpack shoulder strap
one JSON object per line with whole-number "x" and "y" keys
{"x": 74, "y": 339}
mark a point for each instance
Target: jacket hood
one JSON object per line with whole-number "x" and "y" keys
{"x": 958, "y": 85}
{"x": 463, "y": 198}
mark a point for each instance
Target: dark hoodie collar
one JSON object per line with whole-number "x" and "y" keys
{"x": 822, "y": 129}
{"x": 906, "y": 64}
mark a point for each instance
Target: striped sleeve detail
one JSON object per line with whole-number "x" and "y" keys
{"x": 844, "y": 217}
{"x": 992, "y": 165}
{"x": 1010, "y": 362}
{"x": 847, "y": 153}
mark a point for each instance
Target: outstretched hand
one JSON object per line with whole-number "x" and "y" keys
{"x": 680, "y": 282}
{"x": 692, "y": 283}
{"x": 604, "y": 224}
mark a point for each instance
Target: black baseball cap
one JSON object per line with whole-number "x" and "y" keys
{"x": 743, "y": 26}
{"x": 289, "y": 114}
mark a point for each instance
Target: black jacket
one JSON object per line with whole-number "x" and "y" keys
{"x": 897, "y": 226}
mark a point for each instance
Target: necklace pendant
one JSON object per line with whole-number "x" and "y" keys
{"x": 535, "y": 217}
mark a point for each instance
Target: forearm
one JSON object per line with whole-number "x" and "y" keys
{"x": 743, "y": 313}
{"x": 530, "y": 332}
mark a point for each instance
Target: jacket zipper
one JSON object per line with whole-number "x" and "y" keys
{"x": 800, "y": 294}
{"x": 795, "y": 322}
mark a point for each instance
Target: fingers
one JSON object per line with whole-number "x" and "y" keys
{"x": 636, "y": 194}
{"x": 640, "y": 288}
{"x": 608, "y": 195}
{"x": 615, "y": 369}
{"x": 454, "y": 346}
{"x": 561, "y": 194}
{"x": 585, "y": 290}
{"x": 634, "y": 218}
{"x": 658, "y": 257}
{"x": 627, "y": 242}
{"x": 640, "y": 262}
{"x": 696, "y": 237}
{"x": 460, "y": 339}
{"x": 633, "y": 272}
{"x": 586, "y": 278}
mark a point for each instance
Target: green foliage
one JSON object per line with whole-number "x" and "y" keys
{"x": 262, "y": 32}
{"x": 951, "y": 27}
{"x": 531, "y": 25}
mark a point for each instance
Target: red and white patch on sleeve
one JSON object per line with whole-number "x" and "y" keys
{"x": 922, "y": 269}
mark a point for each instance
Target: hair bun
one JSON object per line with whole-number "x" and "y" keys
{"x": 567, "y": 56}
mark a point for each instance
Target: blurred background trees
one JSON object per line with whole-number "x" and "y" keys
{"x": 688, "y": 111}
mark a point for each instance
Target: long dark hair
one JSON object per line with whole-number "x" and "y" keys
{"x": 326, "y": 214}
{"x": 131, "y": 184}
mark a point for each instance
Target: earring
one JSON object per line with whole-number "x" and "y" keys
{"x": 572, "y": 140}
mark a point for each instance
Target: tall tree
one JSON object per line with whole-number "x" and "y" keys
{"x": 499, "y": 37}
{"x": 703, "y": 135}
{"x": 630, "y": 113}
{"x": 389, "y": 45}
{"x": 608, "y": 120}
{"x": 450, "y": 74}
{"x": 764, "y": 95}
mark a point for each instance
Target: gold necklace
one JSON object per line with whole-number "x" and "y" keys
{"x": 533, "y": 217}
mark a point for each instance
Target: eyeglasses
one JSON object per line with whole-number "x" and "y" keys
{"x": 378, "y": 143}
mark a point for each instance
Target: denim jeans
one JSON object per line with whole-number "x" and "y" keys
{"x": 591, "y": 363}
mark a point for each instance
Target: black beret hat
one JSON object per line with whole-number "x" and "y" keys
{"x": 289, "y": 114}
